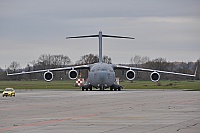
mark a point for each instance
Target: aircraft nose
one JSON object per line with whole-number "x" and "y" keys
{"x": 102, "y": 76}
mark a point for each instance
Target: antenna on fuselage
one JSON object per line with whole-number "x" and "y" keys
{"x": 100, "y": 36}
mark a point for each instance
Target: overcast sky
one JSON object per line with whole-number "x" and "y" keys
{"x": 163, "y": 28}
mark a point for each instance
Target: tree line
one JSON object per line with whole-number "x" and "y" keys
{"x": 47, "y": 61}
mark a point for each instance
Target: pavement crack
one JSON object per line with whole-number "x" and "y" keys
{"x": 190, "y": 126}
{"x": 115, "y": 129}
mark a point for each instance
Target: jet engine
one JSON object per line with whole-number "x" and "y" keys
{"x": 130, "y": 75}
{"x": 48, "y": 76}
{"x": 155, "y": 76}
{"x": 73, "y": 74}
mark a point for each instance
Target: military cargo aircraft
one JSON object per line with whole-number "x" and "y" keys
{"x": 101, "y": 75}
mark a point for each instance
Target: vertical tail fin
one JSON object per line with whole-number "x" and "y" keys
{"x": 100, "y": 47}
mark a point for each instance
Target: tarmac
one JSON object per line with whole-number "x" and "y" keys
{"x": 128, "y": 111}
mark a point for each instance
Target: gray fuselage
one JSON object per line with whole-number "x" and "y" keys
{"x": 101, "y": 75}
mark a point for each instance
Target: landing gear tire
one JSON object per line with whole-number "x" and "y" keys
{"x": 101, "y": 88}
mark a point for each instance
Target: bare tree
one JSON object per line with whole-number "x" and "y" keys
{"x": 158, "y": 63}
{"x": 145, "y": 59}
{"x": 59, "y": 60}
{"x": 139, "y": 60}
{"x": 136, "y": 60}
{"x": 34, "y": 63}
{"x": 14, "y": 66}
{"x": 46, "y": 61}
{"x": 91, "y": 58}
{"x": 88, "y": 59}
{"x": 107, "y": 59}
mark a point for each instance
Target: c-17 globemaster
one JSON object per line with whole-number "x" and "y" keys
{"x": 101, "y": 75}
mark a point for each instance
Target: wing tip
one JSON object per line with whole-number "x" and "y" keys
{"x": 195, "y": 73}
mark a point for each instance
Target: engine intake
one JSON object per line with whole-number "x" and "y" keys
{"x": 73, "y": 74}
{"x": 130, "y": 75}
{"x": 155, "y": 76}
{"x": 48, "y": 76}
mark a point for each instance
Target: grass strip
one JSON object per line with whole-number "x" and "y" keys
{"x": 69, "y": 84}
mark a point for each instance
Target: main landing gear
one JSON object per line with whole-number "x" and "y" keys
{"x": 116, "y": 89}
{"x": 86, "y": 89}
{"x": 102, "y": 88}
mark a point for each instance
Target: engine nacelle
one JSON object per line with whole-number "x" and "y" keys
{"x": 155, "y": 76}
{"x": 130, "y": 75}
{"x": 48, "y": 76}
{"x": 73, "y": 74}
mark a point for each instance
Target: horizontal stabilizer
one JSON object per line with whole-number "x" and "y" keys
{"x": 118, "y": 36}
{"x": 89, "y": 36}
{"x": 82, "y": 36}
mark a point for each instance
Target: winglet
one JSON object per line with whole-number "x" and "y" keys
{"x": 6, "y": 70}
{"x": 8, "y": 74}
{"x": 195, "y": 73}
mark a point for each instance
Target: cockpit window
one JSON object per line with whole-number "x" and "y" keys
{"x": 103, "y": 69}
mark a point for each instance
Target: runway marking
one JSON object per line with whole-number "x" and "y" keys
{"x": 123, "y": 118}
{"x": 46, "y": 122}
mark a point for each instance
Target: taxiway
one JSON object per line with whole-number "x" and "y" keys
{"x": 138, "y": 111}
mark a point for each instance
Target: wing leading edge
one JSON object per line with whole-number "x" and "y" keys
{"x": 152, "y": 70}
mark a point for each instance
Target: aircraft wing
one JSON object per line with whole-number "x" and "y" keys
{"x": 54, "y": 69}
{"x": 151, "y": 70}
